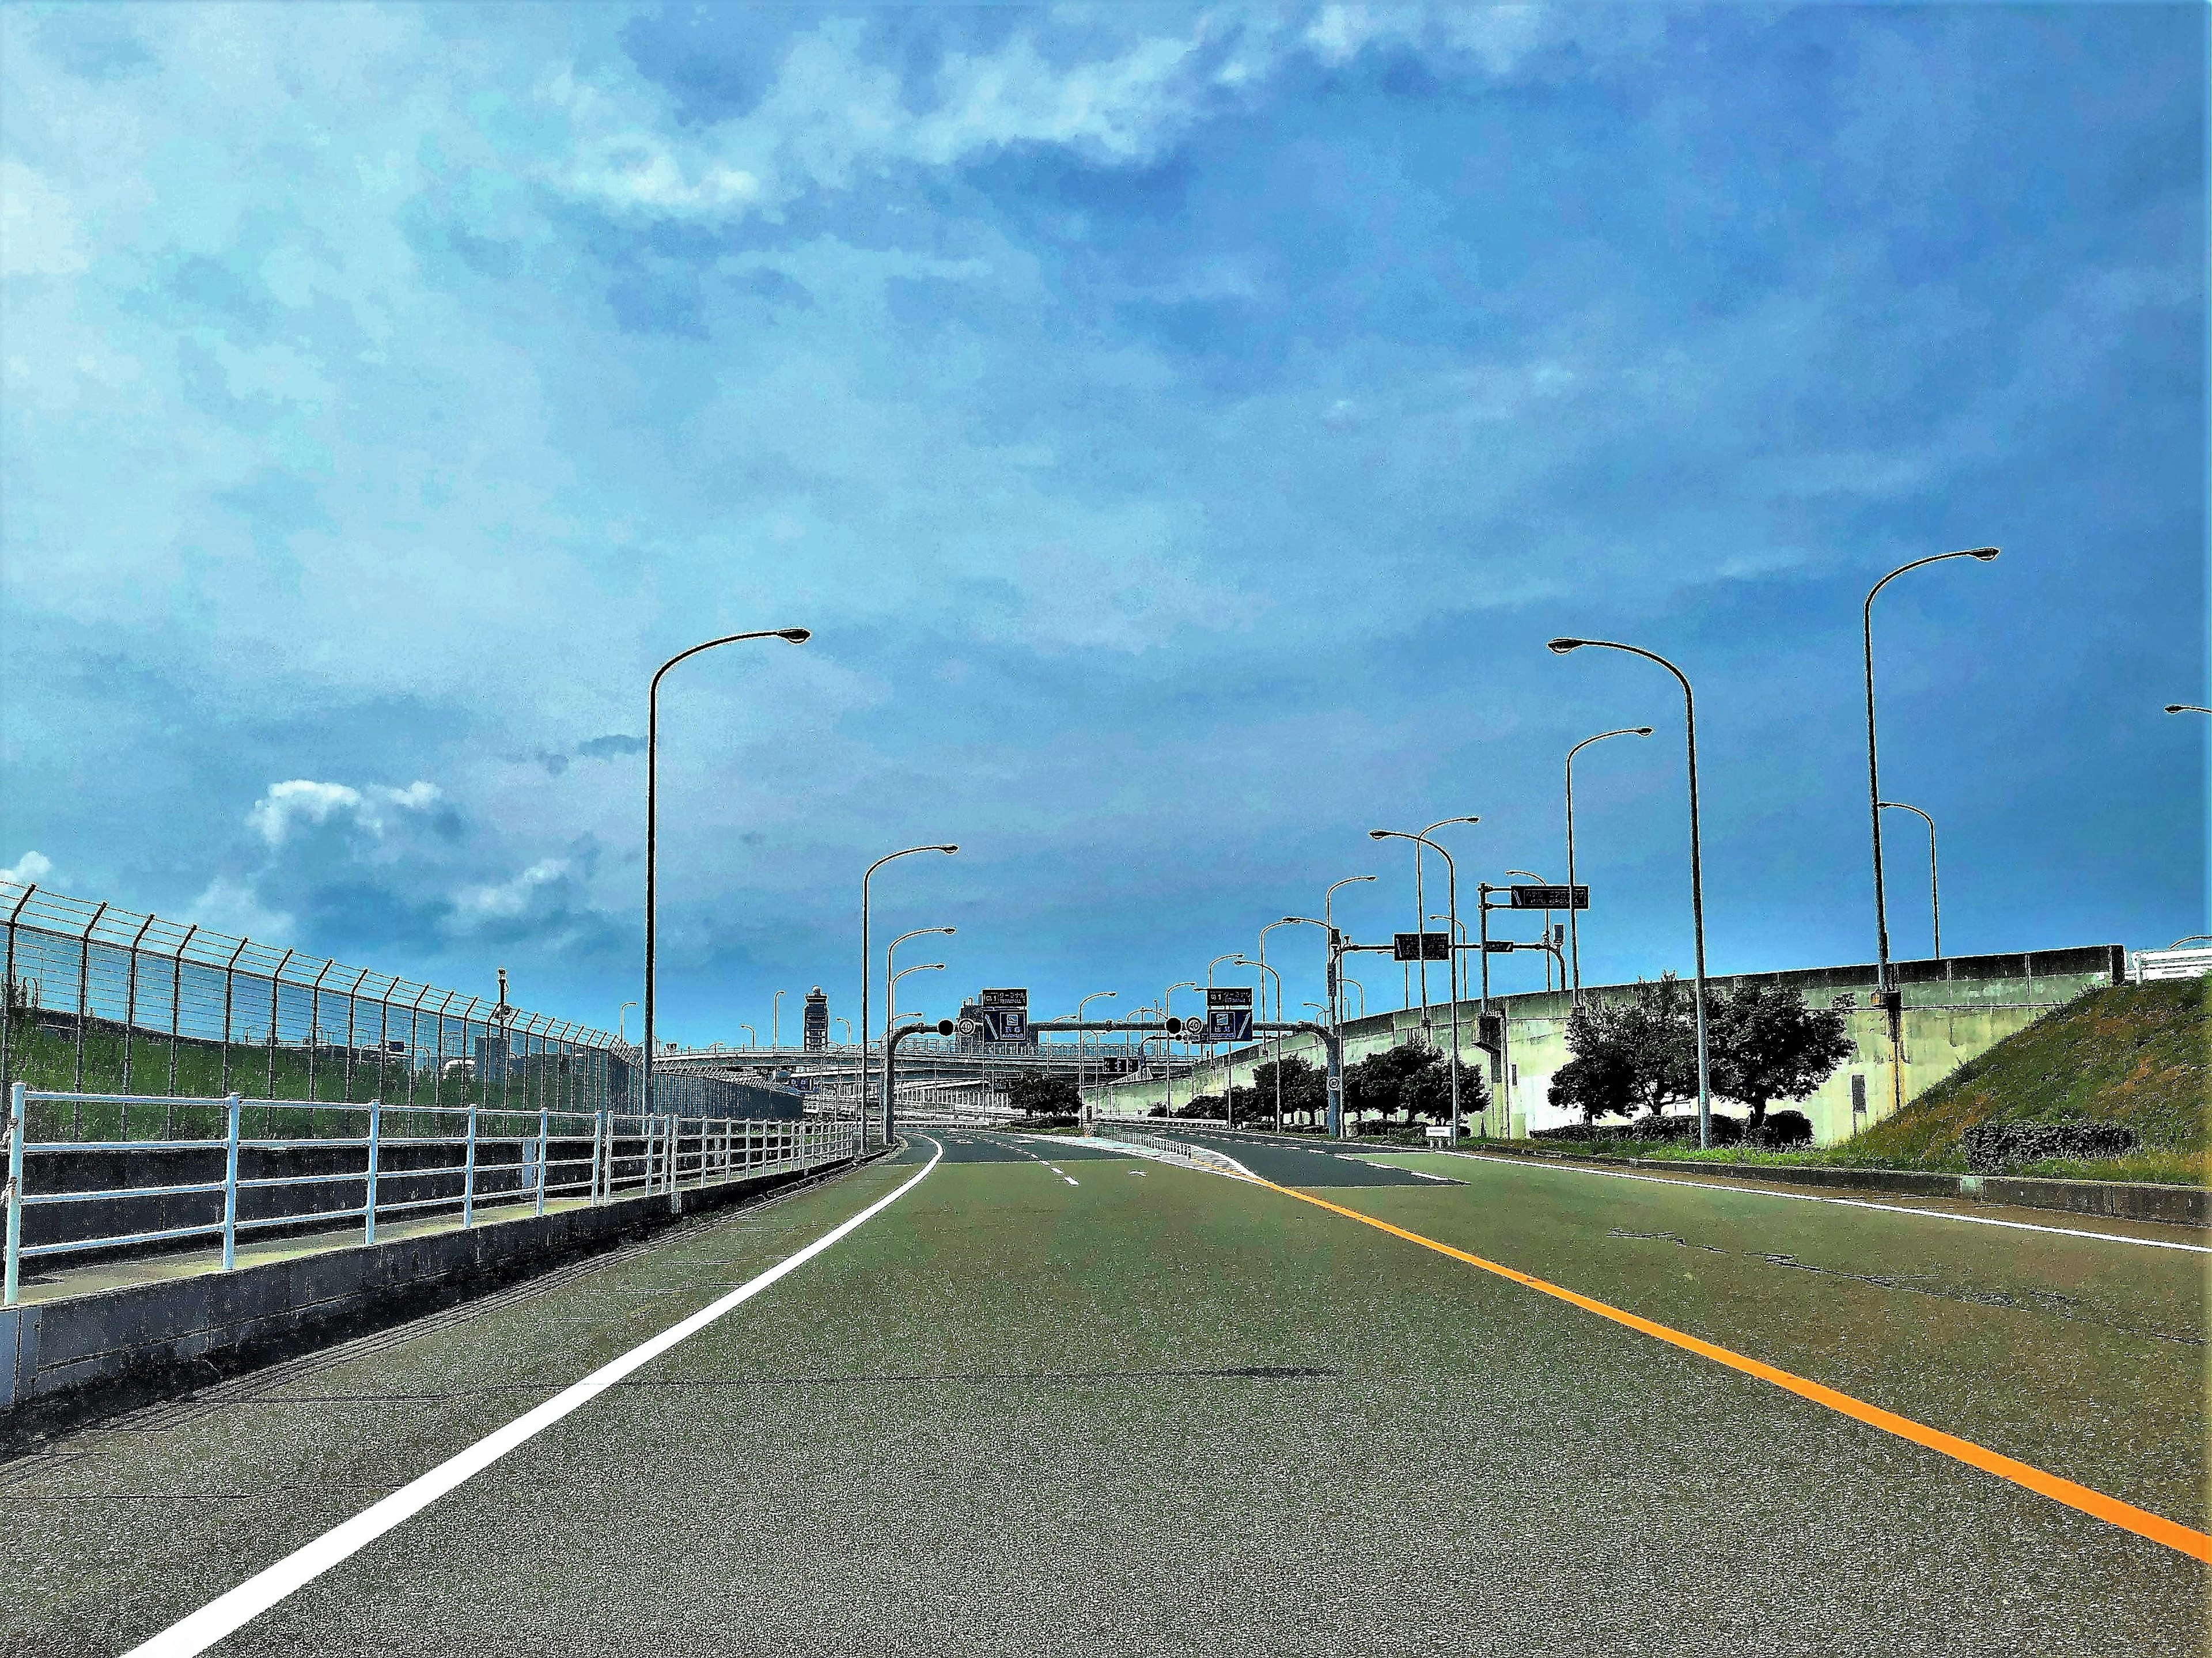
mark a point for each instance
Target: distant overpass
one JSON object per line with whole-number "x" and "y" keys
{"x": 947, "y": 1073}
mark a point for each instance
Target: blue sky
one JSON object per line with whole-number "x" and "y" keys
{"x": 1181, "y": 427}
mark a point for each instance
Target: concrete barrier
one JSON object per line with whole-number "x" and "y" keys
{"x": 160, "y": 1328}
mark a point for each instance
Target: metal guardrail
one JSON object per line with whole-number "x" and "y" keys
{"x": 555, "y": 1155}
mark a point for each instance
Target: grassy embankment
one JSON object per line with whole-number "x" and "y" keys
{"x": 44, "y": 1059}
{"x": 2135, "y": 1054}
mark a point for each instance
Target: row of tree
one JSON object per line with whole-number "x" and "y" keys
{"x": 1639, "y": 1054}
{"x": 1635, "y": 1056}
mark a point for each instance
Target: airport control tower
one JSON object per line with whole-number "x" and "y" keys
{"x": 817, "y": 1020}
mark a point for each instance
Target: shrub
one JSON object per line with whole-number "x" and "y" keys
{"x": 1993, "y": 1147}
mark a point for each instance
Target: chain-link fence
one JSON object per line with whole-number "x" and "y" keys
{"x": 104, "y": 1001}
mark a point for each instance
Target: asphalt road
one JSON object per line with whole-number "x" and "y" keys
{"x": 1052, "y": 1402}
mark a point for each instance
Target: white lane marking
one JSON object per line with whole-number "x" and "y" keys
{"x": 229, "y": 1613}
{"x": 1372, "y": 1163}
{"x": 1070, "y": 1179}
{"x": 1848, "y": 1202}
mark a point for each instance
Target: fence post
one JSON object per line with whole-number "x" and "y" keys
{"x": 275, "y": 985}
{"x": 544, "y": 1121}
{"x": 18, "y": 1119}
{"x": 675, "y": 1154}
{"x": 599, "y": 1170}
{"x": 84, "y": 992}
{"x": 469, "y": 1173}
{"x": 230, "y": 1185}
{"x": 375, "y": 1136}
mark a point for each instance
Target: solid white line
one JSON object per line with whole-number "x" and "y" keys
{"x": 1848, "y": 1202}
{"x": 229, "y": 1613}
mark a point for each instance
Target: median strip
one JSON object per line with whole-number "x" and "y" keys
{"x": 2110, "y": 1509}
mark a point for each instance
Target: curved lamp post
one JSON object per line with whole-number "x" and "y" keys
{"x": 1083, "y": 1038}
{"x": 790, "y": 635}
{"x": 1451, "y": 870}
{"x": 890, "y": 1014}
{"x": 867, "y": 971}
{"x": 1541, "y": 882}
{"x": 1561, "y": 646}
{"x": 2185, "y": 708}
{"x": 1246, "y": 961}
{"x": 1167, "y": 1010}
{"x": 775, "y": 1022}
{"x": 1935, "y": 903}
{"x": 1574, "y": 931}
{"x": 1892, "y": 1001}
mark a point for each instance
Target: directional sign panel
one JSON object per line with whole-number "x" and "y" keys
{"x": 1550, "y": 897}
{"x": 1228, "y": 1013}
{"x": 1006, "y": 1015}
{"x": 1420, "y": 946}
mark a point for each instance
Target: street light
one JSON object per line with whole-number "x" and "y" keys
{"x": 1451, "y": 870}
{"x": 1328, "y": 920}
{"x": 1935, "y": 903}
{"x": 1574, "y": 930}
{"x": 1891, "y": 999}
{"x": 2185, "y": 708}
{"x": 621, "y": 1023}
{"x": 1246, "y": 961}
{"x": 1561, "y": 646}
{"x": 1167, "y": 1010}
{"x": 1229, "y": 1059}
{"x": 1082, "y": 1069}
{"x": 1532, "y": 875}
{"x": 791, "y": 636}
{"x": 775, "y": 1022}
{"x": 751, "y": 1033}
{"x": 867, "y": 970}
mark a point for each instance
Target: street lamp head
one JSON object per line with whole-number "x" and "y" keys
{"x": 1985, "y": 554}
{"x": 1378, "y": 835}
{"x": 2176, "y": 708}
{"x": 794, "y": 636}
{"x": 945, "y": 848}
{"x": 1561, "y": 646}
{"x": 1643, "y": 730}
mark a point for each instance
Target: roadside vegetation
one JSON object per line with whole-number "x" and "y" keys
{"x": 2132, "y": 1058}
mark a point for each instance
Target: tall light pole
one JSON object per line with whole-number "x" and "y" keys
{"x": 1934, "y": 901}
{"x": 1451, "y": 872}
{"x": 1561, "y": 646}
{"x": 1167, "y": 1010}
{"x": 621, "y": 1023}
{"x": 1541, "y": 881}
{"x": 1328, "y": 920}
{"x": 1229, "y": 1062}
{"x": 1574, "y": 929}
{"x": 1246, "y": 961}
{"x": 775, "y": 1022}
{"x": 1082, "y": 1037}
{"x": 1893, "y": 999}
{"x": 750, "y": 1033}
{"x": 890, "y": 1016}
{"x": 867, "y": 970}
{"x": 2185, "y": 708}
{"x": 791, "y": 636}
{"x": 1277, "y": 1045}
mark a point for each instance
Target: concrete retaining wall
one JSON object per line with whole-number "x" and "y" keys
{"x": 54, "y": 1347}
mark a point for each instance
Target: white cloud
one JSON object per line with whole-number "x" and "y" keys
{"x": 235, "y": 908}
{"x": 39, "y": 235}
{"x": 510, "y": 899}
{"x": 300, "y": 800}
{"x": 30, "y": 867}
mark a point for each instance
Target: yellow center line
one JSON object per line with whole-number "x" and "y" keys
{"x": 2110, "y": 1509}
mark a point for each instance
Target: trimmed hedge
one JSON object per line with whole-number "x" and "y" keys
{"x": 1993, "y": 1147}
{"x": 1782, "y": 1129}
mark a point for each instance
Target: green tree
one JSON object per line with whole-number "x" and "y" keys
{"x": 1305, "y": 1088}
{"x": 1033, "y": 1094}
{"x": 1414, "y": 1080}
{"x": 1766, "y": 1044}
{"x": 1636, "y": 1055}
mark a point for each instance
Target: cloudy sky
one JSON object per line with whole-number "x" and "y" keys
{"x": 1181, "y": 427}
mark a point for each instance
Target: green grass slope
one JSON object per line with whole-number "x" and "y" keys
{"x": 2129, "y": 1053}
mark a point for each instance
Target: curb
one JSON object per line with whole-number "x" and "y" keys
{"x": 2169, "y": 1205}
